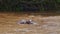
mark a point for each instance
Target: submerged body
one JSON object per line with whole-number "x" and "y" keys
{"x": 26, "y": 22}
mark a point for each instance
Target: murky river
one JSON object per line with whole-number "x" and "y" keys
{"x": 45, "y": 25}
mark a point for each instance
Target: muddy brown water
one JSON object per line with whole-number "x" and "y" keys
{"x": 45, "y": 25}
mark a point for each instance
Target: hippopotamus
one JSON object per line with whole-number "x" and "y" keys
{"x": 26, "y": 22}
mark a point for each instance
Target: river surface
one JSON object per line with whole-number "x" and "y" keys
{"x": 44, "y": 25}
